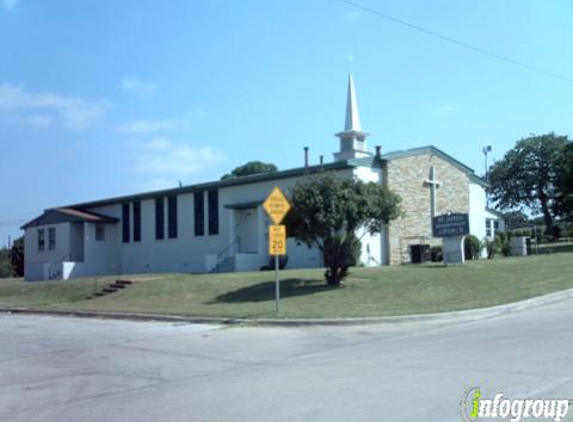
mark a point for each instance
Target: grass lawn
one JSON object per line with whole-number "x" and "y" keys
{"x": 399, "y": 290}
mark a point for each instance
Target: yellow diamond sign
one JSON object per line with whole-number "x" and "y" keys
{"x": 276, "y": 205}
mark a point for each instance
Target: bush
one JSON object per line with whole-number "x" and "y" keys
{"x": 492, "y": 247}
{"x": 521, "y": 232}
{"x": 502, "y": 241}
{"x": 472, "y": 247}
{"x": 436, "y": 254}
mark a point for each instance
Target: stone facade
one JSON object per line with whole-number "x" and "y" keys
{"x": 407, "y": 176}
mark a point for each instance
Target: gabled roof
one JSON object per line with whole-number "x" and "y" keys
{"x": 68, "y": 215}
{"x": 430, "y": 149}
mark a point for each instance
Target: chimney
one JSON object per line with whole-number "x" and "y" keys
{"x": 378, "y": 151}
{"x": 306, "y": 156}
{"x": 321, "y": 160}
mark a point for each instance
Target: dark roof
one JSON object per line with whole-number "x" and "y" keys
{"x": 255, "y": 178}
{"x": 68, "y": 215}
{"x": 76, "y": 210}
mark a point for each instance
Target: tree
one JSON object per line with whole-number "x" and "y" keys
{"x": 327, "y": 212}
{"x": 17, "y": 256}
{"x": 6, "y": 269}
{"x": 515, "y": 220}
{"x": 527, "y": 174}
{"x": 252, "y": 167}
{"x": 564, "y": 184}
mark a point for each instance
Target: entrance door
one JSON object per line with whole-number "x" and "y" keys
{"x": 248, "y": 230}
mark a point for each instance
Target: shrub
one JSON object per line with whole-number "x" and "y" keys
{"x": 502, "y": 240}
{"x": 436, "y": 254}
{"x": 472, "y": 247}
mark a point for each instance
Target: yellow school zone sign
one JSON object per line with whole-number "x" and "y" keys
{"x": 276, "y": 205}
{"x": 277, "y": 240}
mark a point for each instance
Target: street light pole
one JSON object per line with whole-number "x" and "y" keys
{"x": 485, "y": 150}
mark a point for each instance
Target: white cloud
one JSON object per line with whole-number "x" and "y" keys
{"x": 140, "y": 88}
{"x": 9, "y": 4}
{"x": 164, "y": 159}
{"x": 150, "y": 126}
{"x": 47, "y": 109}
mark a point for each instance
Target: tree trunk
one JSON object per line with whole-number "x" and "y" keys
{"x": 547, "y": 218}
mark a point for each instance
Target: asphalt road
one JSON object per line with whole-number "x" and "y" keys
{"x": 55, "y": 369}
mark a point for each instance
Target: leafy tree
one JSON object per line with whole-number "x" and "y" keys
{"x": 515, "y": 220}
{"x": 17, "y": 256}
{"x": 6, "y": 269}
{"x": 327, "y": 211}
{"x": 564, "y": 184}
{"x": 252, "y": 167}
{"x": 527, "y": 174}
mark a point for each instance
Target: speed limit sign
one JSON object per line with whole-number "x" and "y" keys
{"x": 277, "y": 240}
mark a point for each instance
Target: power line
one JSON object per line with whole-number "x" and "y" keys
{"x": 457, "y": 42}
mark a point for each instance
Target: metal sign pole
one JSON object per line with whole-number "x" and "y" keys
{"x": 277, "y": 285}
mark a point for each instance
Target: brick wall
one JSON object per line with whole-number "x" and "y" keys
{"x": 406, "y": 176}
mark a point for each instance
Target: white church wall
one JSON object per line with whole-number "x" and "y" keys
{"x": 372, "y": 245}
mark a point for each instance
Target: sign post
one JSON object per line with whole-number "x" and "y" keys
{"x": 277, "y": 206}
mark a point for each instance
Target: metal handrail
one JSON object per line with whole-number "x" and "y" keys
{"x": 58, "y": 261}
{"x": 223, "y": 254}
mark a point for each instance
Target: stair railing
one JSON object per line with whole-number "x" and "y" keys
{"x": 221, "y": 256}
{"x": 51, "y": 274}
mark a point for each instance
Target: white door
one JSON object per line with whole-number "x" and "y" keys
{"x": 248, "y": 231}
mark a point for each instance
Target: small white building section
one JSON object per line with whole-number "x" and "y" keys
{"x": 211, "y": 227}
{"x": 493, "y": 223}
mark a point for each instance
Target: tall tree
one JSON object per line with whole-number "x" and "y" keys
{"x": 17, "y": 256}
{"x": 252, "y": 167}
{"x": 564, "y": 184}
{"x": 328, "y": 210}
{"x": 527, "y": 174}
{"x": 6, "y": 269}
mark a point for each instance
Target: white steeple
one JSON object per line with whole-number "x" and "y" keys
{"x": 352, "y": 118}
{"x": 352, "y": 138}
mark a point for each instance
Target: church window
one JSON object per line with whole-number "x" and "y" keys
{"x": 100, "y": 232}
{"x": 125, "y": 223}
{"x": 172, "y": 216}
{"x": 41, "y": 240}
{"x": 137, "y": 221}
{"x": 52, "y": 238}
{"x": 213, "y": 203}
{"x": 159, "y": 218}
{"x": 199, "y": 206}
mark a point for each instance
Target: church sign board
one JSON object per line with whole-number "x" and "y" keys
{"x": 451, "y": 225}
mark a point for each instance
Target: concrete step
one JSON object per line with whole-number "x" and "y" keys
{"x": 109, "y": 290}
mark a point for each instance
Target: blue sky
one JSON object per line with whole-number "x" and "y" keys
{"x": 104, "y": 98}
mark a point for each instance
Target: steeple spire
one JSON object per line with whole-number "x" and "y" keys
{"x": 352, "y": 138}
{"x": 352, "y": 117}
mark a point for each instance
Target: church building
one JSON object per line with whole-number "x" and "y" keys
{"x": 221, "y": 225}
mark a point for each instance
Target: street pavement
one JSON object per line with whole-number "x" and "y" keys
{"x": 56, "y": 369}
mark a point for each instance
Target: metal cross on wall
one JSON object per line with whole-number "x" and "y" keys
{"x": 434, "y": 185}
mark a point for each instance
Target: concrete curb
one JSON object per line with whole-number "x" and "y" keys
{"x": 455, "y": 316}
